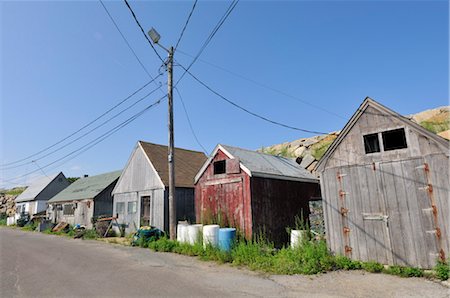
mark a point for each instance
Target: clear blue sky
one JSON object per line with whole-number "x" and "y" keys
{"x": 64, "y": 63}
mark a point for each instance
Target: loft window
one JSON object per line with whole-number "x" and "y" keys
{"x": 219, "y": 167}
{"x": 371, "y": 143}
{"x": 394, "y": 139}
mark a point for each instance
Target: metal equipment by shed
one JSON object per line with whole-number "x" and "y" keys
{"x": 385, "y": 189}
{"x": 253, "y": 191}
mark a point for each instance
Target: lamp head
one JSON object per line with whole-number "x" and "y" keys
{"x": 154, "y": 35}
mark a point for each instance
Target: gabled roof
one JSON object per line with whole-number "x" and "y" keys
{"x": 36, "y": 188}
{"x": 187, "y": 163}
{"x": 383, "y": 109}
{"x": 86, "y": 188}
{"x": 259, "y": 164}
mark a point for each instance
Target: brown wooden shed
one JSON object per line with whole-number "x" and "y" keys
{"x": 385, "y": 190}
{"x": 253, "y": 192}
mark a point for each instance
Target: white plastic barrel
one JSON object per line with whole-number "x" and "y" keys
{"x": 211, "y": 235}
{"x": 193, "y": 233}
{"x": 181, "y": 232}
{"x": 297, "y": 237}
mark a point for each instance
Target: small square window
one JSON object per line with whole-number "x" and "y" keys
{"x": 69, "y": 209}
{"x": 371, "y": 143}
{"x": 219, "y": 167}
{"x": 120, "y": 207}
{"x": 132, "y": 207}
{"x": 394, "y": 139}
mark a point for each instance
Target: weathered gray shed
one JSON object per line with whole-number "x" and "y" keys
{"x": 34, "y": 198}
{"x": 385, "y": 188}
{"x": 84, "y": 199}
{"x": 141, "y": 194}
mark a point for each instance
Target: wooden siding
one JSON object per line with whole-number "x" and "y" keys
{"x": 380, "y": 205}
{"x": 138, "y": 175}
{"x": 133, "y": 221}
{"x": 104, "y": 202}
{"x": 275, "y": 203}
{"x": 351, "y": 149}
{"x": 139, "y": 179}
{"x": 224, "y": 198}
{"x": 82, "y": 214}
{"x": 251, "y": 204}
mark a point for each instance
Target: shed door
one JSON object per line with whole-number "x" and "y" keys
{"x": 411, "y": 226}
{"x": 363, "y": 215}
{"x": 145, "y": 211}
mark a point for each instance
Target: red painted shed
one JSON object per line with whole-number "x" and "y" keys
{"x": 253, "y": 192}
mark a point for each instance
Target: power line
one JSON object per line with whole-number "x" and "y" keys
{"x": 35, "y": 162}
{"x": 99, "y": 139}
{"x": 265, "y": 86}
{"x": 189, "y": 122}
{"x": 248, "y": 111}
{"x": 185, "y": 25}
{"x": 86, "y": 133}
{"x": 211, "y": 35}
{"x": 83, "y": 127}
{"x": 125, "y": 39}
{"x": 142, "y": 30}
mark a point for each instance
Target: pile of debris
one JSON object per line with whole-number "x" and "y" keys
{"x": 7, "y": 204}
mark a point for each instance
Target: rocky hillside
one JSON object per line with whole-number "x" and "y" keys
{"x": 308, "y": 151}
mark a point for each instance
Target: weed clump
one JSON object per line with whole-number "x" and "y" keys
{"x": 442, "y": 270}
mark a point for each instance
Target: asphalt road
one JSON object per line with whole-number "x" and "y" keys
{"x": 39, "y": 265}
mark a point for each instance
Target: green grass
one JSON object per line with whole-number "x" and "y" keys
{"x": 90, "y": 234}
{"x": 15, "y": 191}
{"x": 318, "y": 149}
{"x": 436, "y": 127}
{"x": 404, "y": 271}
{"x": 311, "y": 257}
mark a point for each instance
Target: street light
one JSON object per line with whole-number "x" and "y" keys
{"x": 155, "y": 37}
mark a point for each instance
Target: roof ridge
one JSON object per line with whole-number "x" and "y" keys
{"x": 177, "y": 148}
{"x": 258, "y": 152}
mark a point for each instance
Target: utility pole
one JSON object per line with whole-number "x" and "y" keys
{"x": 171, "y": 156}
{"x": 154, "y": 35}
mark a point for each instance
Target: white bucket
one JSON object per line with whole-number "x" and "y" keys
{"x": 297, "y": 236}
{"x": 193, "y": 233}
{"x": 182, "y": 232}
{"x": 10, "y": 221}
{"x": 211, "y": 235}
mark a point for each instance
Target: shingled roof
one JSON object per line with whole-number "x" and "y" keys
{"x": 187, "y": 163}
{"x": 86, "y": 188}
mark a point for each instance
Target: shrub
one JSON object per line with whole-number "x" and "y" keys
{"x": 442, "y": 270}
{"x": 163, "y": 244}
{"x": 90, "y": 234}
{"x": 345, "y": 263}
{"x": 372, "y": 267}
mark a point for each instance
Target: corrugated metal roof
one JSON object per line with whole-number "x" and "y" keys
{"x": 187, "y": 163}
{"x": 86, "y": 188}
{"x": 271, "y": 166}
{"x": 35, "y": 188}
